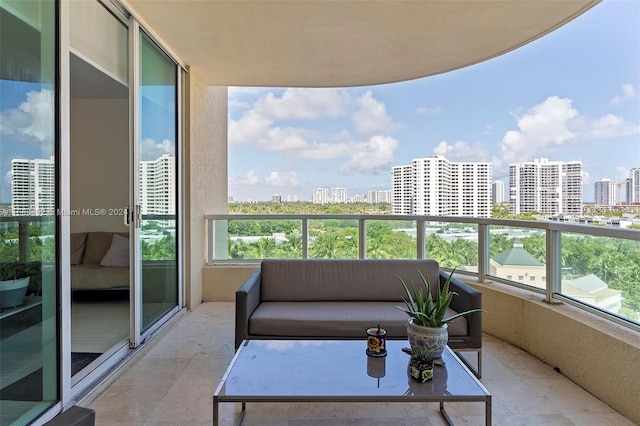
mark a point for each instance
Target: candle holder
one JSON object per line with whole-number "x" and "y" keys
{"x": 376, "y": 342}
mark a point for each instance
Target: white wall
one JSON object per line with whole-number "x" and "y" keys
{"x": 205, "y": 174}
{"x": 99, "y": 162}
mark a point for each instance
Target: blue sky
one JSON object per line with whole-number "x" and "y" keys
{"x": 571, "y": 95}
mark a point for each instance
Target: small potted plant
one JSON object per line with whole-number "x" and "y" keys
{"x": 14, "y": 282}
{"x": 427, "y": 326}
{"x": 421, "y": 365}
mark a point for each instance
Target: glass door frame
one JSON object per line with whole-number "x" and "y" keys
{"x": 69, "y": 391}
{"x": 137, "y": 336}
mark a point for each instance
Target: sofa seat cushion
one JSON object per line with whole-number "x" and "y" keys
{"x": 335, "y": 319}
{"x": 95, "y": 277}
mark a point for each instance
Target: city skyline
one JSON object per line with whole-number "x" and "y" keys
{"x": 570, "y": 96}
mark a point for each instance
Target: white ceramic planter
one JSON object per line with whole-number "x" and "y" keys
{"x": 431, "y": 339}
{"x": 12, "y": 292}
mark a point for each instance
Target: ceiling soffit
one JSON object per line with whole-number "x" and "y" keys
{"x": 345, "y": 43}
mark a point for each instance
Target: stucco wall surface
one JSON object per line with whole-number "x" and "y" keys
{"x": 205, "y": 163}
{"x": 598, "y": 355}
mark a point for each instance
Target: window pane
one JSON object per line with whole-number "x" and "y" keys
{"x": 158, "y": 182}
{"x": 602, "y": 272}
{"x": 28, "y": 287}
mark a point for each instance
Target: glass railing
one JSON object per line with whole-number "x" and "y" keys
{"x": 593, "y": 267}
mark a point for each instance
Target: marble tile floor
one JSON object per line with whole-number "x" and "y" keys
{"x": 172, "y": 380}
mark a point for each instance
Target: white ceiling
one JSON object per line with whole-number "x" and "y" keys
{"x": 329, "y": 43}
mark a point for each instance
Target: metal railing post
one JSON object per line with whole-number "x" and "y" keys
{"x": 362, "y": 238}
{"x": 554, "y": 264}
{"x": 23, "y": 241}
{"x": 483, "y": 251}
{"x": 420, "y": 254}
{"x": 305, "y": 238}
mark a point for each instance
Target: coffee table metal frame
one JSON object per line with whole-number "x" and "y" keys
{"x": 453, "y": 362}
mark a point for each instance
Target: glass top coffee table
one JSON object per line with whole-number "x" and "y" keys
{"x": 340, "y": 371}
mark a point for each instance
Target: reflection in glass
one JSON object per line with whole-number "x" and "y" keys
{"x": 518, "y": 254}
{"x": 28, "y": 332}
{"x": 158, "y": 182}
{"x": 602, "y": 272}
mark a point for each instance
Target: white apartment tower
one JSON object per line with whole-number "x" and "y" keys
{"x": 605, "y": 192}
{"x": 435, "y": 186}
{"x": 497, "y": 192}
{"x": 402, "y": 184}
{"x": 339, "y": 195}
{"x": 633, "y": 188}
{"x": 550, "y": 187}
{"x": 380, "y": 196}
{"x": 320, "y": 196}
{"x": 157, "y": 185}
{"x": 32, "y": 187}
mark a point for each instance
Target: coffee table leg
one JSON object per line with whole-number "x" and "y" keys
{"x": 242, "y": 412}
{"x": 445, "y": 414}
{"x": 487, "y": 414}
{"x": 215, "y": 411}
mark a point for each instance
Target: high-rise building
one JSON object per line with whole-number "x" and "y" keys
{"x": 402, "y": 183}
{"x": 339, "y": 195}
{"x": 32, "y": 187}
{"x": 320, "y": 196}
{"x": 633, "y": 186}
{"x": 497, "y": 192}
{"x": 157, "y": 185}
{"x": 435, "y": 186}
{"x": 380, "y": 196}
{"x": 605, "y": 192}
{"x": 550, "y": 187}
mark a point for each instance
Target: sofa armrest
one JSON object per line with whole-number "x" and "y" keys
{"x": 468, "y": 298}
{"x": 247, "y": 300}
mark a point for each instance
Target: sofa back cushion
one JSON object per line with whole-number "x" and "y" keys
{"x": 344, "y": 280}
{"x": 77, "y": 245}
{"x": 97, "y": 245}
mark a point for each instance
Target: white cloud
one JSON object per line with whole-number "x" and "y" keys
{"x": 609, "y": 126}
{"x": 302, "y": 104}
{"x": 33, "y": 120}
{"x": 461, "y": 151}
{"x": 554, "y": 124}
{"x": 282, "y": 180}
{"x": 151, "y": 150}
{"x": 372, "y": 156}
{"x": 274, "y": 182}
{"x": 259, "y": 126}
{"x": 586, "y": 178}
{"x": 428, "y": 111}
{"x": 371, "y": 117}
{"x": 541, "y": 130}
{"x": 628, "y": 92}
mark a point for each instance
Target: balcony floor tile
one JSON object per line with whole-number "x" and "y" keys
{"x": 172, "y": 381}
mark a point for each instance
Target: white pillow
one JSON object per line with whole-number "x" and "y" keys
{"x": 118, "y": 254}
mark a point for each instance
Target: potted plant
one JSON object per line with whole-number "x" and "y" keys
{"x": 13, "y": 285}
{"x": 421, "y": 365}
{"x": 427, "y": 326}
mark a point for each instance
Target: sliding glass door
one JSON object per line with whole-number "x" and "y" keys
{"x": 29, "y": 145}
{"x": 157, "y": 183}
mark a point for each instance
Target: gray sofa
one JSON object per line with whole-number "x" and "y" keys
{"x": 340, "y": 299}
{"x": 87, "y": 252}
{"x": 98, "y": 265}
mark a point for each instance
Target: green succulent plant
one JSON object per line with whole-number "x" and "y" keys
{"x": 425, "y": 311}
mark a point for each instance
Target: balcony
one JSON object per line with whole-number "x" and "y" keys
{"x": 556, "y": 317}
{"x": 172, "y": 381}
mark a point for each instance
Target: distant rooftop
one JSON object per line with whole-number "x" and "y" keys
{"x": 517, "y": 256}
